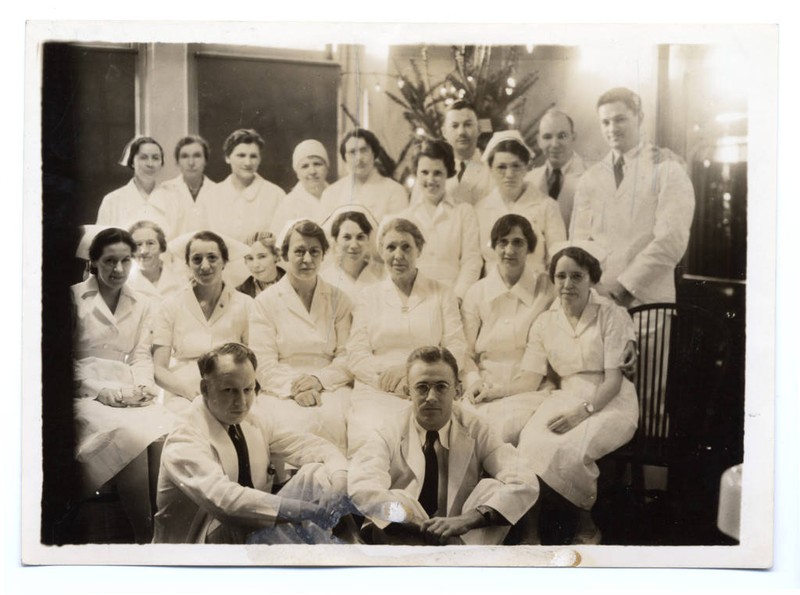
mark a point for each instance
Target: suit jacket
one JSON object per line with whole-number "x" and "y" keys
{"x": 387, "y": 473}
{"x": 571, "y": 172}
{"x": 197, "y": 484}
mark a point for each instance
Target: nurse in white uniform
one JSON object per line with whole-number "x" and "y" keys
{"x": 391, "y": 319}
{"x": 508, "y": 157}
{"x": 452, "y": 253}
{"x": 185, "y": 195}
{"x": 136, "y": 201}
{"x": 243, "y": 203}
{"x": 497, "y": 313}
{"x": 299, "y": 331}
{"x": 369, "y": 183}
{"x": 154, "y": 274}
{"x": 207, "y": 314}
{"x": 354, "y": 265}
{"x": 310, "y": 163}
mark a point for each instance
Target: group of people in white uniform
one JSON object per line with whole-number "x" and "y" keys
{"x": 333, "y": 286}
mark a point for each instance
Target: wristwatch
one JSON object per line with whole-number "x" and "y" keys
{"x": 589, "y": 407}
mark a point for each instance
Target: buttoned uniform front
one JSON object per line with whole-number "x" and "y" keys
{"x": 496, "y": 321}
{"x": 452, "y": 255}
{"x": 298, "y": 204}
{"x": 538, "y": 208}
{"x": 381, "y": 195}
{"x": 386, "y": 329}
{"x": 181, "y": 325}
{"x": 644, "y": 224}
{"x": 126, "y": 205}
{"x": 111, "y": 350}
{"x": 579, "y": 356}
{"x": 184, "y": 213}
{"x": 352, "y": 288}
{"x": 571, "y": 173}
{"x": 387, "y": 473}
{"x": 198, "y": 490}
{"x": 239, "y": 214}
{"x": 289, "y": 341}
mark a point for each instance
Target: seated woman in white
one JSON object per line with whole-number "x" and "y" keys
{"x": 508, "y": 157}
{"x": 369, "y": 183}
{"x": 497, "y": 313}
{"x": 583, "y": 337}
{"x": 154, "y": 275}
{"x": 353, "y": 266}
{"x": 298, "y": 331}
{"x": 118, "y": 424}
{"x": 391, "y": 319}
{"x": 207, "y": 314}
{"x": 185, "y": 194}
{"x": 262, "y": 262}
{"x": 136, "y": 200}
{"x": 310, "y": 164}
{"x": 452, "y": 253}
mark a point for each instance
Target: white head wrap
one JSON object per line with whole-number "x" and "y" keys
{"x": 309, "y": 148}
{"x": 499, "y": 137}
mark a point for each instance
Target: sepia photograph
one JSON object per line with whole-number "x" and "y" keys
{"x": 384, "y": 295}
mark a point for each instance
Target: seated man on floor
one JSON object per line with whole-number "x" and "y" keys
{"x": 437, "y": 474}
{"x": 214, "y": 485}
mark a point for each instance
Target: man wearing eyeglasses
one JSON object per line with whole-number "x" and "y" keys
{"x": 437, "y": 474}
{"x": 559, "y": 175}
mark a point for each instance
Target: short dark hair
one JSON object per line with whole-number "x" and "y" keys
{"x": 132, "y": 149}
{"x": 430, "y": 355}
{"x": 356, "y": 217}
{"x": 632, "y": 100}
{"x": 506, "y": 223}
{"x": 460, "y": 104}
{"x": 383, "y": 163}
{"x": 108, "y": 237}
{"x": 555, "y": 112}
{"x": 162, "y": 239}
{"x": 368, "y": 136}
{"x": 513, "y": 147}
{"x": 207, "y": 363}
{"x": 403, "y": 226}
{"x": 307, "y": 229}
{"x": 190, "y": 140}
{"x": 245, "y": 136}
{"x": 438, "y": 150}
{"x": 583, "y": 260}
{"x": 208, "y": 236}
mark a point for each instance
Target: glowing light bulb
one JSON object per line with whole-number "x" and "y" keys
{"x": 510, "y": 118}
{"x": 449, "y": 101}
{"x": 509, "y": 90}
{"x": 511, "y": 82}
{"x": 461, "y": 93}
{"x": 470, "y": 79}
{"x": 420, "y": 131}
{"x": 410, "y": 181}
{"x": 401, "y": 83}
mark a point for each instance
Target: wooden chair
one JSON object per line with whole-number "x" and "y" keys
{"x": 683, "y": 354}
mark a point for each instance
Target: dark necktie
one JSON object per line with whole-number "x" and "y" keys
{"x": 618, "y": 172}
{"x": 240, "y": 444}
{"x": 429, "y": 496}
{"x": 555, "y": 183}
{"x": 462, "y": 170}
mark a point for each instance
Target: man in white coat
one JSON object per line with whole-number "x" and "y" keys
{"x": 214, "y": 484}
{"x": 559, "y": 175}
{"x": 638, "y": 208}
{"x": 438, "y": 474}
